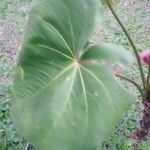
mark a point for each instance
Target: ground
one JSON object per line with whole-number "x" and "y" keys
{"x": 13, "y": 19}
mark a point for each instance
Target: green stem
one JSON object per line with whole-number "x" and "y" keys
{"x": 147, "y": 81}
{"x": 131, "y": 81}
{"x": 130, "y": 40}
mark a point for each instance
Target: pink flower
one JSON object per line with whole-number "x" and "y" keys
{"x": 145, "y": 57}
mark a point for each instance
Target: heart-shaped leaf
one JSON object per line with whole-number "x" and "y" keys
{"x": 60, "y": 102}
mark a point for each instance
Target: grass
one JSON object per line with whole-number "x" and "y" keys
{"x": 12, "y": 24}
{"x": 13, "y": 19}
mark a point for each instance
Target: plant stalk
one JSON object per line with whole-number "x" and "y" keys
{"x": 130, "y": 40}
{"x": 133, "y": 82}
{"x": 147, "y": 81}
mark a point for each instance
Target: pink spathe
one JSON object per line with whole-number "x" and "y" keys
{"x": 145, "y": 57}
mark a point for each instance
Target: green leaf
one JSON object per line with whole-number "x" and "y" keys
{"x": 108, "y": 52}
{"x": 59, "y": 102}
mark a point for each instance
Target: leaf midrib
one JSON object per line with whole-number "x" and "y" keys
{"x": 68, "y": 96}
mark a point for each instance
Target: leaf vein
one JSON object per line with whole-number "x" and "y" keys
{"x": 99, "y": 81}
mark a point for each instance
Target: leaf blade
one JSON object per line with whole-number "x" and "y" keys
{"x": 108, "y": 52}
